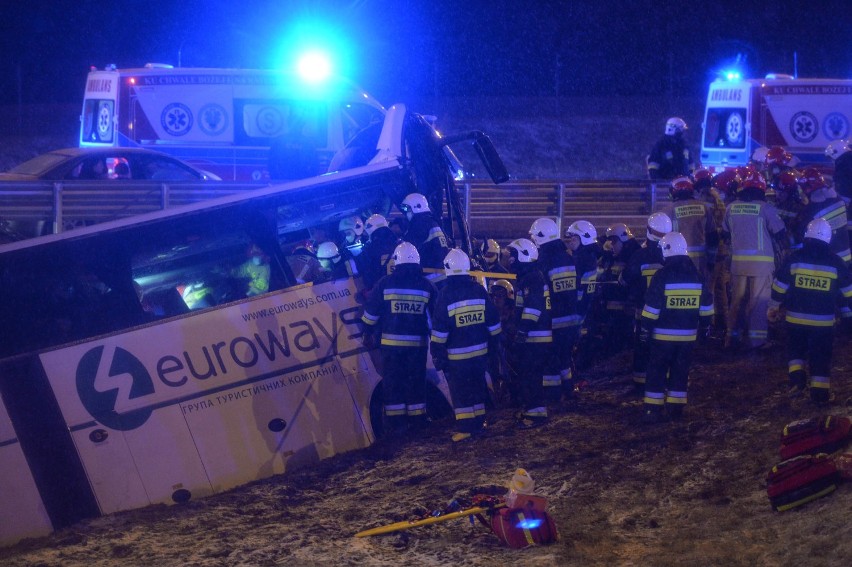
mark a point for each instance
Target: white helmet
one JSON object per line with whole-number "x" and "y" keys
{"x": 819, "y": 229}
{"x": 416, "y": 203}
{"x": 327, "y": 251}
{"x": 673, "y": 244}
{"x": 759, "y": 155}
{"x": 456, "y": 263}
{"x": 585, "y": 230}
{"x": 526, "y": 249}
{"x": 405, "y": 253}
{"x": 374, "y": 222}
{"x": 837, "y": 148}
{"x": 659, "y": 224}
{"x": 351, "y": 223}
{"x": 619, "y": 230}
{"x": 675, "y": 125}
{"x": 544, "y": 230}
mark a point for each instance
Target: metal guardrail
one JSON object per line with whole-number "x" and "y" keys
{"x": 498, "y": 211}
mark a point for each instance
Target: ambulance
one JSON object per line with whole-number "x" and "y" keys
{"x": 241, "y": 124}
{"x": 802, "y": 115}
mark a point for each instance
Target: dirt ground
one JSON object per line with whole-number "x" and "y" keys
{"x": 680, "y": 493}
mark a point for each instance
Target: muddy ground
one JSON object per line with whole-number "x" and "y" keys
{"x": 680, "y": 493}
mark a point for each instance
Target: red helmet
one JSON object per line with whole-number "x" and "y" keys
{"x": 728, "y": 181}
{"x": 682, "y": 187}
{"x": 754, "y": 180}
{"x": 788, "y": 180}
{"x": 778, "y": 156}
{"x": 702, "y": 178}
{"x": 811, "y": 180}
{"x": 744, "y": 170}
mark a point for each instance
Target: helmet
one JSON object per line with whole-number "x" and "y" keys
{"x": 675, "y": 125}
{"x": 505, "y": 284}
{"x": 819, "y": 229}
{"x": 526, "y": 250}
{"x": 754, "y": 180}
{"x": 778, "y": 156}
{"x": 489, "y": 248}
{"x": 788, "y": 180}
{"x": 374, "y": 222}
{"x": 584, "y": 229}
{"x": 327, "y": 250}
{"x": 304, "y": 248}
{"x": 620, "y": 231}
{"x": 682, "y": 187}
{"x": 673, "y": 244}
{"x": 702, "y": 178}
{"x": 759, "y": 155}
{"x": 659, "y": 224}
{"x": 456, "y": 263}
{"x": 811, "y": 180}
{"x": 544, "y": 230}
{"x": 416, "y": 203}
{"x": 405, "y": 253}
{"x": 354, "y": 224}
{"x": 728, "y": 181}
{"x": 837, "y": 148}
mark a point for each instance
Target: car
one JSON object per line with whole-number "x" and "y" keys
{"x": 89, "y": 164}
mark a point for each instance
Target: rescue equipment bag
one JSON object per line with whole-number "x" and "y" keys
{"x": 824, "y": 434}
{"x": 797, "y": 481}
{"x": 522, "y": 527}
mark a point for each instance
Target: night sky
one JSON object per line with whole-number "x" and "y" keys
{"x": 403, "y": 50}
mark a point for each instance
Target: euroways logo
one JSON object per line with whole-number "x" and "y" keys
{"x": 104, "y": 379}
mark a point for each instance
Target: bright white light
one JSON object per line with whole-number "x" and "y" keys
{"x": 314, "y": 67}
{"x": 733, "y": 75}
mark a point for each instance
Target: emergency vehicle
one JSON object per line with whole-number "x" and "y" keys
{"x": 802, "y": 115}
{"x": 226, "y": 120}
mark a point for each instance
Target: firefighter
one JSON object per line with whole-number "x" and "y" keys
{"x": 617, "y": 312}
{"x": 502, "y": 293}
{"x": 789, "y": 201}
{"x": 675, "y": 305}
{"x": 753, "y": 227}
{"x": 398, "y": 313}
{"x": 531, "y": 348}
{"x": 375, "y": 258}
{"x": 841, "y": 152}
{"x": 349, "y": 233}
{"x": 581, "y": 239}
{"x": 809, "y": 287}
{"x": 465, "y": 333}
{"x": 333, "y": 265}
{"x": 561, "y": 275}
{"x": 824, "y": 203}
{"x": 692, "y": 218}
{"x": 724, "y": 190}
{"x": 670, "y": 156}
{"x": 777, "y": 161}
{"x": 636, "y": 277}
{"x": 425, "y": 233}
{"x": 489, "y": 254}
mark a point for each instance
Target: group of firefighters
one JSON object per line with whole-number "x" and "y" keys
{"x": 550, "y": 304}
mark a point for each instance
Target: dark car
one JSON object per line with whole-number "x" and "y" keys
{"x": 86, "y": 164}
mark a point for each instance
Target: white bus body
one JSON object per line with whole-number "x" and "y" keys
{"x": 226, "y": 120}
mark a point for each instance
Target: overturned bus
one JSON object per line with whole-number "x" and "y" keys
{"x": 111, "y": 404}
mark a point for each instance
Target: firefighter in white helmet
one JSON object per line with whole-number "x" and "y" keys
{"x": 465, "y": 332}
{"x": 398, "y": 313}
{"x": 375, "y": 259}
{"x": 693, "y": 218}
{"x": 670, "y": 157}
{"x": 809, "y": 287}
{"x": 425, "y": 233}
{"x": 581, "y": 239}
{"x": 676, "y": 304}
{"x": 333, "y": 264}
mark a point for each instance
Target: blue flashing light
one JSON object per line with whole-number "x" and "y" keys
{"x": 529, "y": 524}
{"x": 732, "y": 75}
{"x": 314, "y": 66}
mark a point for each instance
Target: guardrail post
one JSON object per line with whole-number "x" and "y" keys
{"x": 57, "y": 208}
{"x": 467, "y": 203}
{"x": 560, "y": 206}
{"x": 164, "y": 196}
{"x": 652, "y": 201}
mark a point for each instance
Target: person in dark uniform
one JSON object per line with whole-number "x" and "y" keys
{"x": 398, "y": 313}
{"x": 374, "y": 261}
{"x": 675, "y": 302}
{"x": 465, "y": 332}
{"x": 670, "y": 157}
{"x": 425, "y": 233}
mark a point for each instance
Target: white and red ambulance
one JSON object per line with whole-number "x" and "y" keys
{"x": 225, "y": 120}
{"x": 802, "y": 115}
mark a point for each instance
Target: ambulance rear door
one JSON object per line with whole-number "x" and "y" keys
{"x": 727, "y": 125}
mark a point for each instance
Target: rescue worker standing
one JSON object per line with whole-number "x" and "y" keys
{"x": 694, "y": 220}
{"x": 581, "y": 239}
{"x": 398, "y": 312}
{"x": 374, "y": 260}
{"x": 489, "y": 253}
{"x": 636, "y": 277}
{"x": 617, "y": 312}
{"x": 841, "y": 152}
{"x": 561, "y": 275}
{"x": 531, "y": 348}
{"x": 809, "y": 287}
{"x": 823, "y": 203}
{"x": 675, "y": 302}
{"x": 425, "y": 233}
{"x": 670, "y": 157}
{"x": 751, "y": 225}
{"x": 333, "y": 265}
{"x": 464, "y": 337}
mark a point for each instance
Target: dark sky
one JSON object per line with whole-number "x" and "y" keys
{"x": 402, "y": 50}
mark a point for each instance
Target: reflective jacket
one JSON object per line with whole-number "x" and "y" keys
{"x": 833, "y": 210}
{"x": 640, "y": 269}
{"x": 400, "y": 307}
{"x": 466, "y": 322}
{"x": 429, "y": 239}
{"x": 752, "y": 226}
{"x": 675, "y": 301}
{"x": 532, "y": 309}
{"x": 694, "y": 220}
{"x": 561, "y": 273}
{"x": 374, "y": 260}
